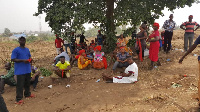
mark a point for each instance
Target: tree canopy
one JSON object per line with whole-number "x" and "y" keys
{"x": 67, "y": 15}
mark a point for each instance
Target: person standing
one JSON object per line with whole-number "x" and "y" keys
{"x": 100, "y": 38}
{"x": 154, "y": 45}
{"x": 73, "y": 41}
{"x": 189, "y": 32}
{"x": 67, "y": 43}
{"x": 169, "y": 26}
{"x": 21, "y": 57}
{"x": 58, "y": 44}
{"x": 3, "y": 107}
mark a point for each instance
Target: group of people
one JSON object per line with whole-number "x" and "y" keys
{"x": 23, "y": 73}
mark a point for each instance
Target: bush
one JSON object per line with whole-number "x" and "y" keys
{"x": 45, "y": 72}
{"x": 31, "y": 38}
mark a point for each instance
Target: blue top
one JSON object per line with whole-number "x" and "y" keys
{"x": 100, "y": 39}
{"x": 21, "y": 67}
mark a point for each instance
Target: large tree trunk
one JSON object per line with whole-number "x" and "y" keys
{"x": 109, "y": 15}
{"x": 110, "y": 27}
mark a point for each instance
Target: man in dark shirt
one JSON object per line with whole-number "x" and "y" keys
{"x": 73, "y": 41}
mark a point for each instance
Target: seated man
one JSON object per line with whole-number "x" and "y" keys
{"x": 57, "y": 58}
{"x": 7, "y": 79}
{"x": 121, "y": 59}
{"x": 129, "y": 76}
{"x": 114, "y": 53}
{"x": 62, "y": 70}
{"x": 35, "y": 73}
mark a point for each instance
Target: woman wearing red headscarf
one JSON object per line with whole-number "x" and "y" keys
{"x": 99, "y": 59}
{"x": 83, "y": 61}
{"x": 154, "y": 45}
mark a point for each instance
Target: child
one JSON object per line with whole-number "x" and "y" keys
{"x": 83, "y": 61}
{"x": 99, "y": 60}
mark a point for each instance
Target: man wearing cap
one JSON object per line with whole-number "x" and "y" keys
{"x": 100, "y": 38}
{"x": 189, "y": 32}
{"x": 21, "y": 57}
{"x": 169, "y": 26}
{"x": 58, "y": 44}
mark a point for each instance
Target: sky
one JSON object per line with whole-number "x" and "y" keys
{"x": 17, "y": 15}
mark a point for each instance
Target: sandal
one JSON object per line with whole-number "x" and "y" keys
{"x": 19, "y": 102}
{"x": 31, "y": 96}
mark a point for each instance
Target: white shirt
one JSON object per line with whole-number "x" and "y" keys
{"x": 132, "y": 78}
{"x": 63, "y": 54}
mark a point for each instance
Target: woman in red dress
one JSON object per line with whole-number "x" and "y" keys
{"x": 154, "y": 45}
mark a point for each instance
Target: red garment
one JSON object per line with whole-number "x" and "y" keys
{"x": 157, "y": 25}
{"x": 105, "y": 62}
{"x": 98, "y": 48}
{"x": 154, "y": 47}
{"x": 140, "y": 48}
{"x": 58, "y": 42}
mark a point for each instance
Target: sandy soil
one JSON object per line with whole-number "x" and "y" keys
{"x": 153, "y": 91}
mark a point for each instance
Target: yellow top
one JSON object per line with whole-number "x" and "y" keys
{"x": 63, "y": 66}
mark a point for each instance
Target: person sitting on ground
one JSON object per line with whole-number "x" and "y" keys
{"x": 99, "y": 59}
{"x": 114, "y": 54}
{"x": 35, "y": 73}
{"x": 123, "y": 42}
{"x": 62, "y": 70}
{"x": 8, "y": 78}
{"x": 121, "y": 59}
{"x": 83, "y": 62}
{"x": 129, "y": 76}
{"x": 57, "y": 58}
{"x": 90, "y": 52}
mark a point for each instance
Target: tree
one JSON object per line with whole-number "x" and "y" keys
{"x": 63, "y": 15}
{"x": 7, "y": 32}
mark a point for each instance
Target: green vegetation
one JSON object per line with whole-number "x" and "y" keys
{"x": 45, "y": 72}
{"x": 68, "y": 15}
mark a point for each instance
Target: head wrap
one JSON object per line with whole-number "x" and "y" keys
{"x": 157, "y": 25}
{"x": 56, "y": 35}
{"x": 97, "y": 48}
{"x": 191, "y": 16}
{"x": 99, "y": 30}
{"x": 122, "y": 47}
{"x": 81, "y": 51}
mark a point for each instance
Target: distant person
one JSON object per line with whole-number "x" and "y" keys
{"x": 129, "y": 76}
{"x": 21, "y": 57}
{"x": 58, "y": 44}
{"x": 154, "y": 45}
{"x": 100, "y": 38}
{"x": 82, "y": 38}
{"x": 57, "y": 58}
{"x": 134, "y": 34}
{"x": 73, "y": 41}
{"x": 141, "y": 36}
{"x": 8, "y": 78}
{"x": 189, "y": 32}
{"x": 67, "y": 43}
{"x": 169, "y": 26}
{"x": 62, "y": 70}
{"x": 3, "y": 107}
